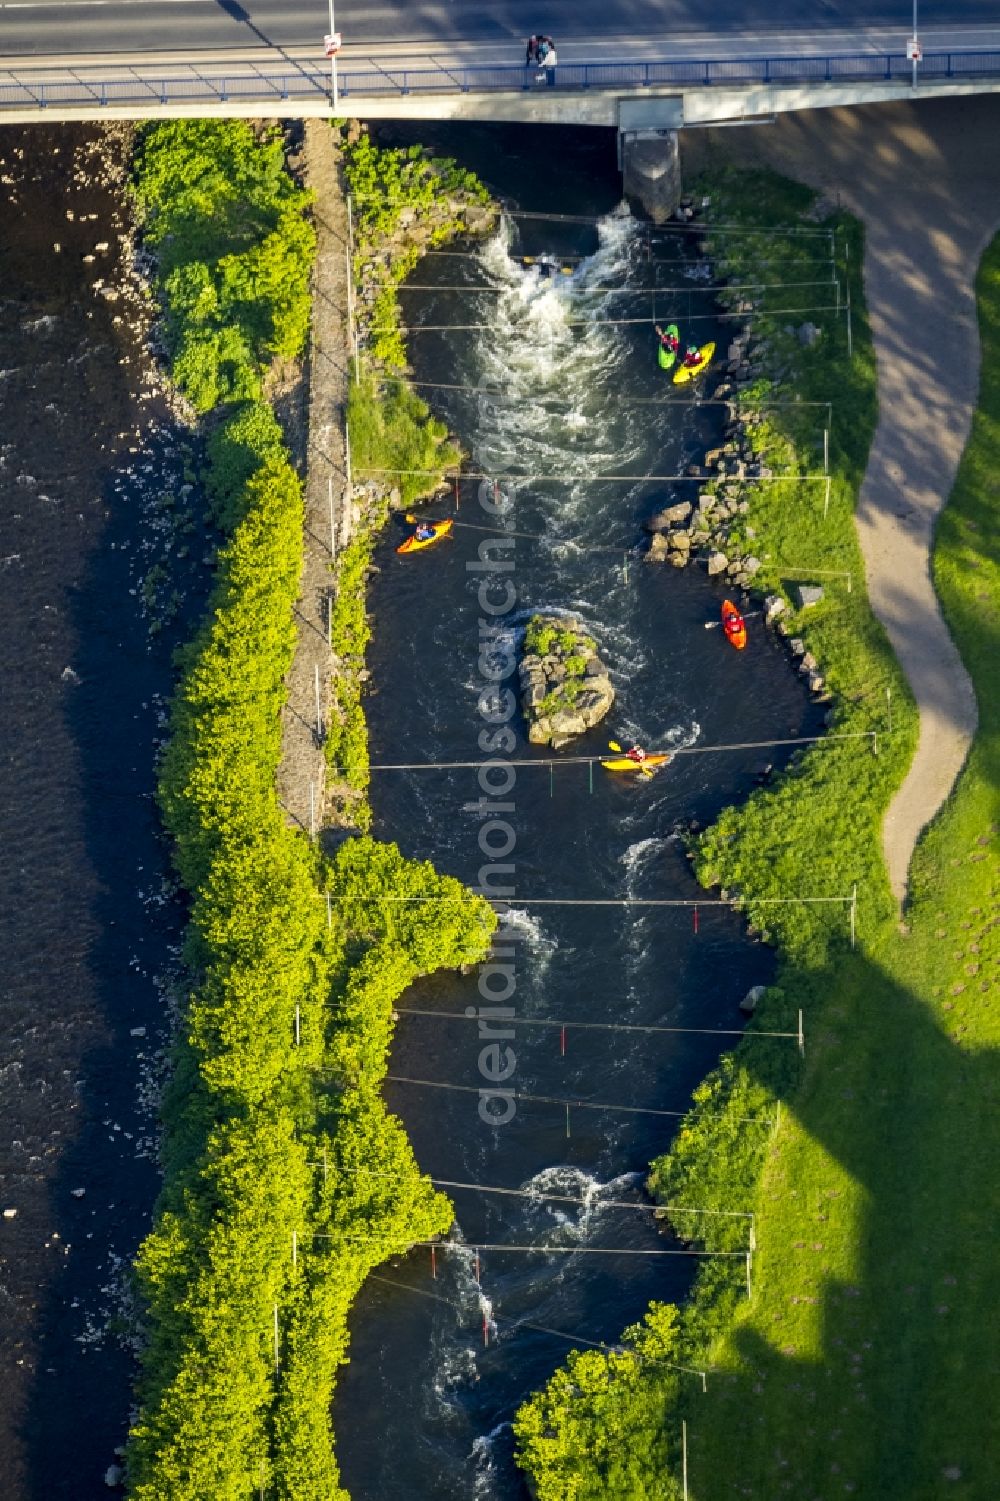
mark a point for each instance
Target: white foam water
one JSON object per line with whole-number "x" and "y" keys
{"x": 575, "y": 1221}
{"x": 530, "y": 928}
{"x": 639, "y": 856}
{"x": 552, "y": 365}
{"x": 463, "y": 1263}
{"x": 484, "y": 1464}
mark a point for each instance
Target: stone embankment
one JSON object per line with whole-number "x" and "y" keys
{"x": 713, "y": 529}
{"x": 565, "y": 687}
{"x": 301, "y": 780}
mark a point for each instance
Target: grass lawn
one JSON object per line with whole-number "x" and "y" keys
{"x": 866, "y": 1362}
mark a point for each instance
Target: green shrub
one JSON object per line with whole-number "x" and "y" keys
{"x": 596, "y": 1430}
{"x": 395, "y": 440}
{"x": 235, "y": 450}
{"x": 282, "y": 1046}
{"x": 233, "y": 251}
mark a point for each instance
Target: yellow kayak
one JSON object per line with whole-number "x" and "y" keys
{"x": 690, "y": 372}
{"x": 625, "y": 763}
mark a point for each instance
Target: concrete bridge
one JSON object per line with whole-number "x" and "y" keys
{"x": 646, "y": 98}
{"x": 651, "y": 64}
{"x": 676, "y": 91}
{"x": 72, "y": 60}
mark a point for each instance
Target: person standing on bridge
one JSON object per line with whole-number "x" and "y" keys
{"x": 531, "y": 51}
{"x": 545, "y": 56}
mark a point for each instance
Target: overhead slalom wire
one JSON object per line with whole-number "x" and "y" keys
{"x": 720, "y": 317}
{"x": 574, "y": 479}
{"x": 653, "y": 401}
{"x": 565, "y": 257}
{"x": 620, "y": 291}
{"x": 702, "y": 227}
{"x": 679, "y": 750}
{"x": 514, "y": 1324}
{"x": 572, "y": 1104}
{"x": 576, "y": 1026}
{"x": 453, "y": 1245}
{"x": 612, "y": 901}
{"x": 535, "y": 1195}
{"x": 650, "y": 231}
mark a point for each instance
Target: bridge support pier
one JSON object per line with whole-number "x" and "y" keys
{"x": 651, "y": 170}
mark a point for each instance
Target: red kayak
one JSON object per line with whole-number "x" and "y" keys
{"x": 734, "y": 625}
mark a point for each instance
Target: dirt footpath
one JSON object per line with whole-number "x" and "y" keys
{"x": 925, "y": 179}
{"x": 301, "y": 775}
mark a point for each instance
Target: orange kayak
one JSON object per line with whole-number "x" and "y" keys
{"x": 734, "y": 625}
{"x": 438, "y": 529}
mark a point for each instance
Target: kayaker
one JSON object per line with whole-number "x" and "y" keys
{"x": 692, "y": 356}
{"x": 670, "y": 341}
{"x": 732, "y": 625}
{"x": 424, "y": 532}
{"x": 636, "y": 754}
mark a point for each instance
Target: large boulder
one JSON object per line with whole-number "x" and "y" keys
{"x": 752, "y": 999}
{"x": 661, "y": 521}
{"x": 565, "y": 687}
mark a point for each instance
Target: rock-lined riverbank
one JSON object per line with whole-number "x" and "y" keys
{"x": 715, "y": 528}
{"x": 712, "y": 528}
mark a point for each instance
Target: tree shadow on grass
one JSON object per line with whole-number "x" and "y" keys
{"x": 902, "y": 1099}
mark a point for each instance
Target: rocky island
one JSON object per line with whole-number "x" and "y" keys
{"x": 565, "y": 687}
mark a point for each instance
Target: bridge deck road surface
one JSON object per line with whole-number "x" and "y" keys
{"x": 79, "y": 28}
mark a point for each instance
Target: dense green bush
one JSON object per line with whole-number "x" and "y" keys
{"x": 233, "y": 252}
{"x": 282, "y": 1047}
{"x": 383, "y": 183}
{"x": 234, "y": 681}
{"x": 596, "y": 1431}
{"x": 395, "y": 440}
{"x": 235, "y": 449}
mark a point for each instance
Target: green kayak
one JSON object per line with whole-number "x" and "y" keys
{"x": 668, "y": 357}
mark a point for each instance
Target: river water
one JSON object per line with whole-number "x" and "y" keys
{"x": 87, "y": 922}
{"x": 91, "y": 554}
{"x": 440, "y": 1362}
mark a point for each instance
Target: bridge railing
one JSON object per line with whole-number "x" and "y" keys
{"x": 690, "y": 73}
{"x": 262, "y": 85}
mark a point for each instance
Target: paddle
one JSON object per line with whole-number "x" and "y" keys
{"x": 645, "y": 770}
{"x": 715, "y": 625}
